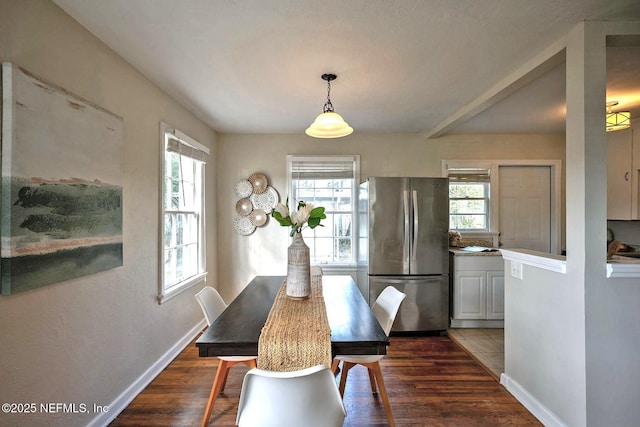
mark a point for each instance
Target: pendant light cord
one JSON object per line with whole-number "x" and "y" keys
{"x": 328, "y": 106}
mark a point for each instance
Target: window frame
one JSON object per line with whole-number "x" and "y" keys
{"x": 354, "y": 200}
{"x": 486, "y": 183}
{"x": 495, "y": 165}
{"x": 491, "y": 232}
{"x": 166, "y": 292}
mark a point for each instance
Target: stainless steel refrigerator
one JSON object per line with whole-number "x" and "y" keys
{"x": 403, "y": 226}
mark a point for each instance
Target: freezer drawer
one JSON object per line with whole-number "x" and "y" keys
{"x": 426, "y": 307}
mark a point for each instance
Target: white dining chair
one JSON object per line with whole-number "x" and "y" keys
{"x": 308, "y": 397}
{"x": 212, "y": 305}
{"x": 385, "y": 309}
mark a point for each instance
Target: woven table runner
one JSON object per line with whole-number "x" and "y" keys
{"x": 296, "y": 334}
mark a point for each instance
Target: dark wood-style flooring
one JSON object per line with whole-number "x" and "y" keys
{"x": 431, "y": 381}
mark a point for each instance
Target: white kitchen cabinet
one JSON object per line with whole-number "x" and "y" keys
{"x": 495, "y": 294}
{"x": 478, "y": 291}
{"x": 622, "y": 174}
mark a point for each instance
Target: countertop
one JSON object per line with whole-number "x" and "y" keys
{"x": 459, "y": 252}
{"x": 617, "y": 267}
{"x": 624, "y": 259}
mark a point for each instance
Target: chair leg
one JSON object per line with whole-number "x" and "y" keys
{"x": 343, "y": 377}
{"x": 226, "y": 375}
{"x": 218, "y": 382}
{"x": 372, "y": 380}
{"x": 335, "y": 367}
{"x": 250, "y": 363}
{"x": 375, "y": 368}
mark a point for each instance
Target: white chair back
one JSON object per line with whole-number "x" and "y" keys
{"x": 211, "y": 303}
{"x": 308, "y": 397}
{"x": 386, "y": 307}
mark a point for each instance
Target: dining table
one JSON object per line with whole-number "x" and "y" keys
{"x": 236, "y": 332}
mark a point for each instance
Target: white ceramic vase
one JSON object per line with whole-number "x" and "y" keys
{"x": 298, "y": 269}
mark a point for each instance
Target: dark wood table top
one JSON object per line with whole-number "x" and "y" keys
{"x": 354, "y": 328}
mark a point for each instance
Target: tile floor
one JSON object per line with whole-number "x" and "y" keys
{"x": 485, "y": 345}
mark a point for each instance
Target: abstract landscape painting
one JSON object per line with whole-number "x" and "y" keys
{"x": 61, "y": 202}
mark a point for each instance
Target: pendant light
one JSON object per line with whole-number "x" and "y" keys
{"x": 329, "y": 124}
{"x": 617, "y": 121}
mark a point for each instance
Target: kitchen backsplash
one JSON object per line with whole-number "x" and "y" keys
{"x": 627, "y": 232}
{"x": 475, "y": 242}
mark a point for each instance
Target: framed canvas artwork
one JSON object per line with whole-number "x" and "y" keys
{"x": 61, "y": 200}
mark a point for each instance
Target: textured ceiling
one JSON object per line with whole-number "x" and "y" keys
{"x": 403, "y": 66}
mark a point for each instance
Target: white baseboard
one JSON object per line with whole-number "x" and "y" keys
{"x": 130, "y": 393}
{"x": 541, "y": 412}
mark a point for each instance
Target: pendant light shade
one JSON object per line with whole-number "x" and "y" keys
{"x": 329, "y": 124}
{"x": 617, "y": 121}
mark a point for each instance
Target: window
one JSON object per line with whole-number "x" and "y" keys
{"x": 331, "y": 182}
{"x": 182, "y": 236}
{"x": 469, "y": 199}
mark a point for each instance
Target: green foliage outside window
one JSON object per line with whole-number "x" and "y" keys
{"x": 468, "y": 205}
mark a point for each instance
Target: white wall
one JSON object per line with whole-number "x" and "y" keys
{"x": 86, "y": 340}
{"x": 264, "y": 252}
{"x": 544, "y": 341}
{"x": 612, "y": 323}
{"x": 571, "y": 340}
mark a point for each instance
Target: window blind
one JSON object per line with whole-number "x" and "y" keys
{"x": 469, "y": 175}
{"x": 309, "y": 169}
{"x": 184, "y": 149}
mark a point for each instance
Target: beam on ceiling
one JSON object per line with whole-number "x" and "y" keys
{"x": 525, "y": 74}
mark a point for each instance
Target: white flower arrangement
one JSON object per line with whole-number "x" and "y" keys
{"x": 306, "y": 213}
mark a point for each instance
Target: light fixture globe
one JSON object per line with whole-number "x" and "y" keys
{"x": 329, "y": 124}
{"x": 617, "y": 121}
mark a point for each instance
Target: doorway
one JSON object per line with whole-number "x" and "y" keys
{"x": 525, "y": 207}
{"x": 526, "y": 200}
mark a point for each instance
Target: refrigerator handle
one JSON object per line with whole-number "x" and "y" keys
{"x": 407, "y": 218}
{"x": 414, "y": 243}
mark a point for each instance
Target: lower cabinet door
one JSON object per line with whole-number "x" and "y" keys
{"x": 495, "y": 295}
{"x": 470, "y": 295}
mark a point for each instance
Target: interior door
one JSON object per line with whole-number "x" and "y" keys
{"x": 525, "y": 207}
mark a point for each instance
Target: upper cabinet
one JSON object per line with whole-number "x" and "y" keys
{"x": 623, "y": 164}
